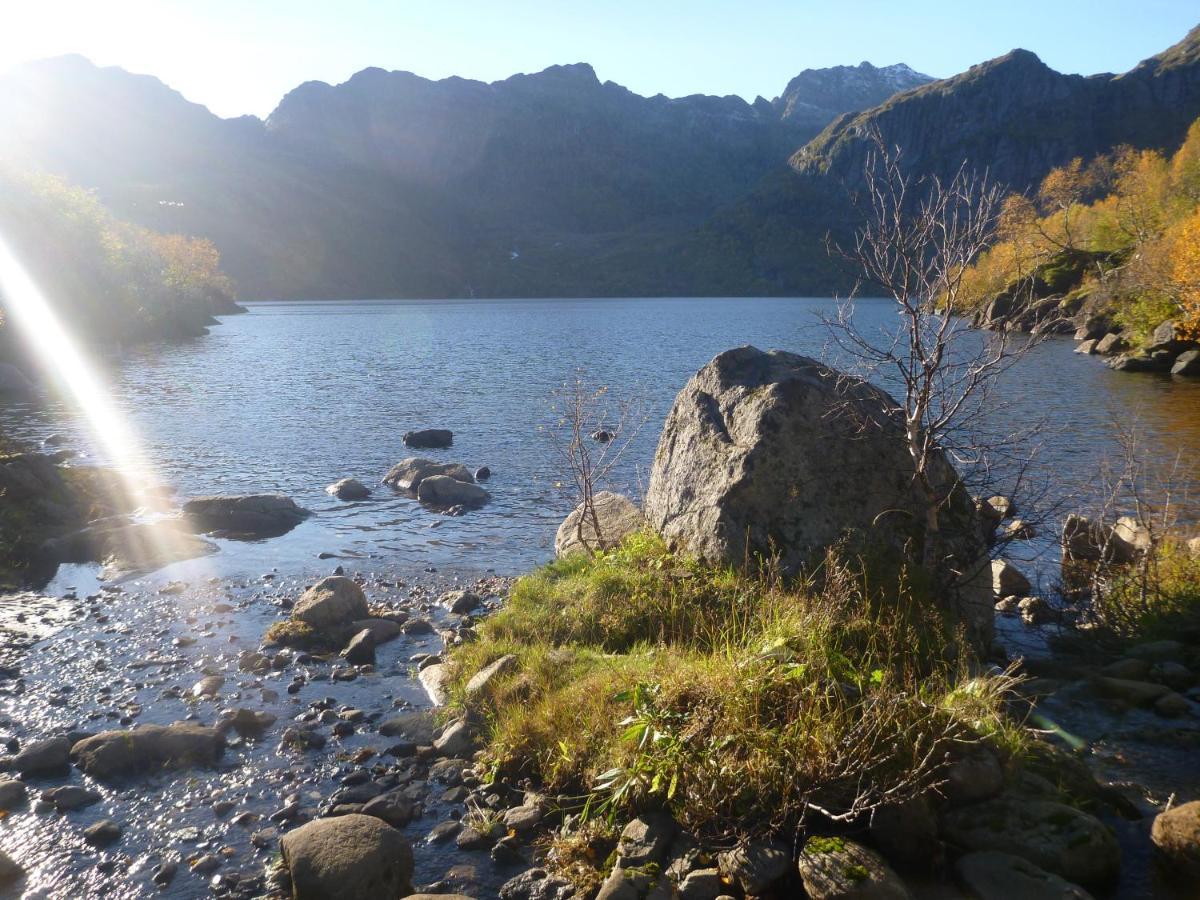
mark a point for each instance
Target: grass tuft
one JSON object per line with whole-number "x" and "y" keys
{"x": 738, "y": 702}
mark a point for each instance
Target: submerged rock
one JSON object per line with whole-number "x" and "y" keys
{"x": 618, "y": 517}
{"x": 351, "y": 857}
{"x": 349, "y": 489}
{"x": 429, "y": 438}
{"x": 11, "y": 871}
{"x": 150, "y": 748}
{"x": 446, "y": 491}
{"x": 246, "y": 516}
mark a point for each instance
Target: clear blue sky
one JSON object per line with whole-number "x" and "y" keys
{"x": 241, "y": 56}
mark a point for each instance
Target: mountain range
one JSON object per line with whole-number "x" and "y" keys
{"x": 555, "y": 183}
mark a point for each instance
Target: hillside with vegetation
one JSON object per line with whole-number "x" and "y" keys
{"x": 1113, "y": 251}
{"x": 113, "y": 281}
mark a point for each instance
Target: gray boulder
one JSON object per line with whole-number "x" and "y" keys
{"x": 42, "y": 757}
{"x": 1008, "y": 580}
{"x": 382, "y": 630}
{"x": 331, "y": 604}
{"x": 429, "y": 438}
{"x": 766, "y": 453}
{"x": 618, "y": 517}
{"x": 1187, "y": 363}
{"x": 349, "y": 489}
{"x": 12, "y": 794}
{"x": 840, "y": 869}
{"x": 436, "y": 681}
{"x": 148, "y": 749}
{"x": 1111, "y": 343}
{"x": 352, "y": 857}
{"x": 1001, "y": 876}
{"x": 1052, "y": 836}
{"x": 360, "y": 651}
{"x": 1170, "y": 337}
{"x": 756, "y": 867}
{"x": 247, "y": 516}
{"x": 444, "y": 491}
{"x": 408, "y": 474}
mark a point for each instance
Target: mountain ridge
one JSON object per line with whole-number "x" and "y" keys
{"x": 555, "y": 182}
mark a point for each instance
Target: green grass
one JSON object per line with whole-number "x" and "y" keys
{"x": 646, "y": 679}
{"x": 1158, "y": 597}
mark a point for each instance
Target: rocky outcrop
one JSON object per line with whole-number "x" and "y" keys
{"x": 352, "y": 857}
{"x": 249, "y": 516}
{"x": 148, "y": 749}
{"x": 618, "y": 517}
{"x": 408, "y": 474}
{"x": 767, "y": 454}
{"x": 332, "y": 604}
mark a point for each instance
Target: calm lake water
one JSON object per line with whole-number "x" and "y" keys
{"x": 293, "y": 396}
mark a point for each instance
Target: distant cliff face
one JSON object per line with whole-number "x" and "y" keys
{"x": 1017, "y": 118}
{"x": 816, "y": 97}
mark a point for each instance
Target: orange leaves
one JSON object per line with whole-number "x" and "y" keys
{"x": 1184, "y": 240}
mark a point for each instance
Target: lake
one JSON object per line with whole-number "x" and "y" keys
{"x": 292, "y": 396}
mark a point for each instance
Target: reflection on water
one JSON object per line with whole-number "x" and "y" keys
{"x": 293, "y": 396}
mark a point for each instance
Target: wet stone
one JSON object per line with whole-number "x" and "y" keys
{"x": 104, "y": 832}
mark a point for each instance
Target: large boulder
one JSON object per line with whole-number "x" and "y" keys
{"x": 1055, "y": 837}
{"x": 147, "y": 749}
{"x": 774, "y": 453}
{"x": 333, "y": 603}
{"x": 1176, "y": 834}
{"x": 840, "y": 869}
{"x": 408, "y": 474}
{"x": 352, "y": 857}
{"x": 246, "y": 516}
{"x": 1001, "y": 876}
{"x": 618, "y": 517}
{"x": 447, "y": 491}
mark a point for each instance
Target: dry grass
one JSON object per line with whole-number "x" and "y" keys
{"x": 740, "y": 703}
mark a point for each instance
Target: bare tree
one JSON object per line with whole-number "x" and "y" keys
{"x": 920, "y": 235}
{"x": 591, "y": 433}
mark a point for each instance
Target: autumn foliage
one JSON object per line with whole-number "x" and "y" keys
{"x": 109, "y": 279}
{"x": 1130, "y": 223}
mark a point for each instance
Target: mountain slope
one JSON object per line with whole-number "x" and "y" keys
{"x": 1018, "y": 118}
{"x": 554, "y": 183}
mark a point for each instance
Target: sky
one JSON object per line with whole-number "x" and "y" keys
{"x": 242, "y": 56}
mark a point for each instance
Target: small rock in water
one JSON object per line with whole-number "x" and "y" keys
{"x": 104, "y": 832}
